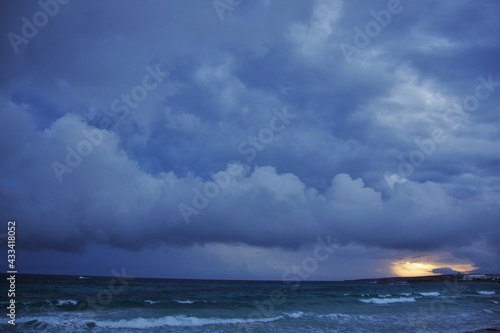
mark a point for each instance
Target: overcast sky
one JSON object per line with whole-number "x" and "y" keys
{"x": 200, "y": 139}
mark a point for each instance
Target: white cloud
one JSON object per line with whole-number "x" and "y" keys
{"x": 313, "y": 38}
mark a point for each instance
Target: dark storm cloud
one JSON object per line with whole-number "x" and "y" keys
{"x": 444, "y": 270}
{"x": 325, "y": 173}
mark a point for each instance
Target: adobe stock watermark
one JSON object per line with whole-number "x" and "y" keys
{"x": 121, "y": 107}
{"x": 222, "y": 6}
{"x": 372, "y": 29}
{"x": 104, "y": 296}
{"x": 454, "y": 118}
{"x": 265, "y": 136}
{"x": 251, "y": 146}
{"x": 211, "y": 190}
{"x": 30, "y": 28}
{"x": 296, "y": 274}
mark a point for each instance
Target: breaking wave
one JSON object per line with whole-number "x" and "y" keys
{"x": 388, "y": 300}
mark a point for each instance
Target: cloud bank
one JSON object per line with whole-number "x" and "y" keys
{"x": 162, "y": 125}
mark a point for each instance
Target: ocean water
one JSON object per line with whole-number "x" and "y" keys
{"x": 69, "y": 304}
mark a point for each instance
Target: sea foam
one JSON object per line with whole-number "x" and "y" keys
{"x": 295, "y": 315}
{"x": 177, "y": 321}
{"x": 184, "y": 302}
{"x": 431, "y": 293}
{"x": 62, "y": 302}
{"x": 388, "y": 300}
{"x": 337, "y": 316}
{"x": 151, "y": 302}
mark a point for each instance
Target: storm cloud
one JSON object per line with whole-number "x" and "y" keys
{"x": 160, "y": 125}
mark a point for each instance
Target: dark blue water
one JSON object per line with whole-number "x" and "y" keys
{"x": 70, "y": 304}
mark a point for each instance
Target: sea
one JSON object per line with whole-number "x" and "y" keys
{"x": 130, "y": 305}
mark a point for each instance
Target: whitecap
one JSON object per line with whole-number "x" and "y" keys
{"x": 336, "y": 316}
{"x": 177, "y": 321}
{"x": 151, "y": 302}
{"x": 431, "y": 293}
{"x": 388, "y": 300}
{"x": 486, "y": 292}
{"x": 66, "y": 302}
{"x": 385, "y": 295}
{"x": 295, "y": 315}
{"x": 184, "y": 302}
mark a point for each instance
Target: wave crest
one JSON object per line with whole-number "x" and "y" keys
{"x": 62, "y": 302}
{"x": 177, "y": 321}
{"x": 388, "y": 300}
{"x": 431, "y": 293}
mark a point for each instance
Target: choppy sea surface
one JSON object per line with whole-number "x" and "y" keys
{"x": 114, "y": 304}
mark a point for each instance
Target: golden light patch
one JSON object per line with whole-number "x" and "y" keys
{"x": 408, "y": 268}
